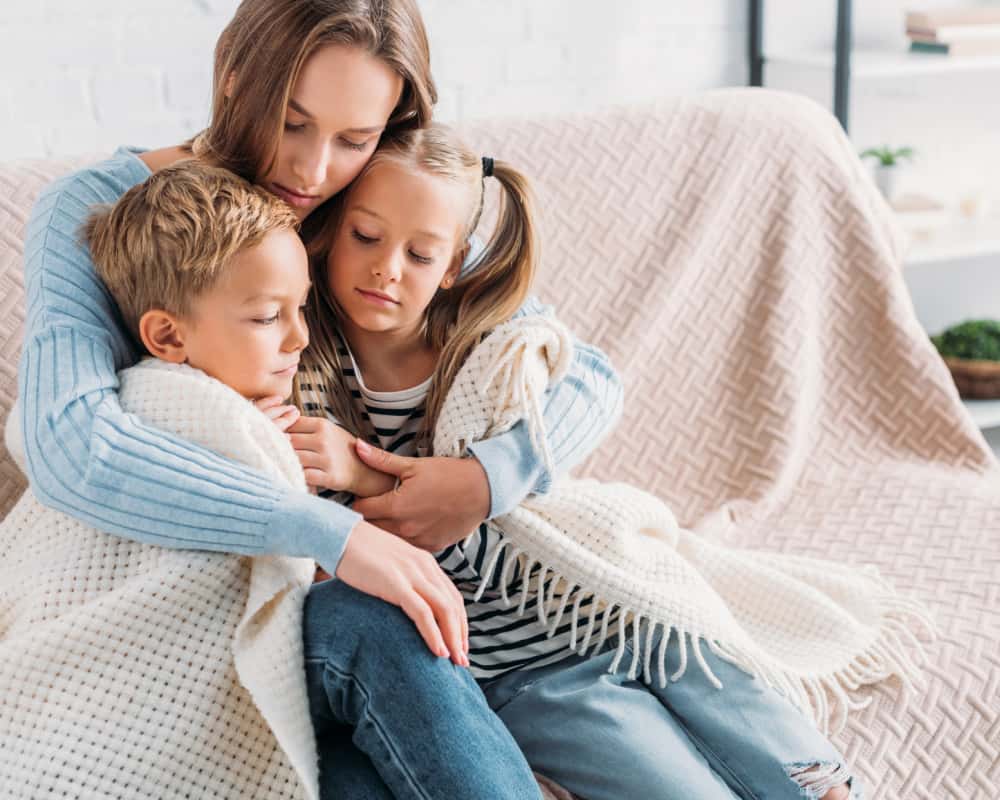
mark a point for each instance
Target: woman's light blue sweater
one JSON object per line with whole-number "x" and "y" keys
{"x": 89, "y": 459}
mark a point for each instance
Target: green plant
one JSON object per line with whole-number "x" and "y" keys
{"x": 887, "y": 156}
{"x": 975, "y": 339}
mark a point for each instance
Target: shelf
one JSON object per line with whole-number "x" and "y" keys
{"x": 887, "y": 63}
{"x": 958, "y": 240}
{"x": 985, "y": 413}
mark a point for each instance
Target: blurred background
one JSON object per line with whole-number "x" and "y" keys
{"x": 83, "y": 77}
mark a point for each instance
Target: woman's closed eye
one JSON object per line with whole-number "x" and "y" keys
{"x": 266, "y": 320}
{"x": 358, "y": 146}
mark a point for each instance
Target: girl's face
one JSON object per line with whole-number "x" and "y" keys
{"x": 398, "y": 241}
{"x": 338, "y": 108}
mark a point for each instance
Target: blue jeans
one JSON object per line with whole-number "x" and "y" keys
{"x": 393, "y": 720}
{"x": 605, "y": 737}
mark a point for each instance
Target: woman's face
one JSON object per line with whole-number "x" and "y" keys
{"x": 337, "y": 111}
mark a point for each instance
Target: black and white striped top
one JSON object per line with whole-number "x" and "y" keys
{"x": 499, "y": 639}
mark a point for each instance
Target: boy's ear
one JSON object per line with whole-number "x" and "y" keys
{"x": 162, "y": 336}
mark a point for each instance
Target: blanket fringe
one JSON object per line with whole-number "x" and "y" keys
{"x": 895, "y": 650}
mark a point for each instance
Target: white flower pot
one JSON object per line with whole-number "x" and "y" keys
{"x": 887, "y": 180}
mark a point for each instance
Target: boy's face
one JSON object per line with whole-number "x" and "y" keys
{"x": 249, "y": 329}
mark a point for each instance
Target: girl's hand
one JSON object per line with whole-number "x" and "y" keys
{"x": 284, "y": 416}
{"x": 377, "y": 563}
{"x": 438, "y": 502}
{"x": 326, "y": 452}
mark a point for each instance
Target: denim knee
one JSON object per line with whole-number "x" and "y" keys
{"x": 343, "y": 623}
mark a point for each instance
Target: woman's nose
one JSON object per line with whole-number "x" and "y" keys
{"x": 309, "y": 167}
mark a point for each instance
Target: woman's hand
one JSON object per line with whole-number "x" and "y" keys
{"x": 329, "y": 461}
{"x": 383, "y": 565}
{"x": 284, "y": 416}
{"x": 438, "y": 502}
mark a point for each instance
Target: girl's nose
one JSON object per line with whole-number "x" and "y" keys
{"x": 388, "y": 266}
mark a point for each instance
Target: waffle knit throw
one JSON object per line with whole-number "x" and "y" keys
{"x": 814, "y": 630}
{"x": 126, "y": 666}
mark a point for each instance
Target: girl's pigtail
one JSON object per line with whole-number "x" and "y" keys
{"x": 487, "y": 295}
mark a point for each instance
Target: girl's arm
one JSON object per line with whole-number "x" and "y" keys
{"x": 580, "y": 411}
{"x": 87, "y": 458}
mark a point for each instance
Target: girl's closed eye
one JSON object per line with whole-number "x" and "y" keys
{"x": 362, "y": 237}
{"x": 421, "y": 259}
{"x": 359, "y": 146}
{"x": 292, "y": 127}
{"x": 268, "y": 320}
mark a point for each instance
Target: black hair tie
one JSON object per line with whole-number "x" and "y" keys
{"x": 487, "y": 166}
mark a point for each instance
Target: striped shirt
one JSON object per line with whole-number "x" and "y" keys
{"x": 499, "y": 638}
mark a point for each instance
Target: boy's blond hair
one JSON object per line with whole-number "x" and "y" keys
{"x": 171, "y": 237}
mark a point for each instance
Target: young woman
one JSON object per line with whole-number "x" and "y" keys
{"x": 303, "y": 91}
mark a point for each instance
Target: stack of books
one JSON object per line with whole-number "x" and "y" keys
{"x": 971, "y": 31}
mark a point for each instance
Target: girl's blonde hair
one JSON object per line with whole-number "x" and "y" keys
{"x": 484, "y": 295}
{"x": 261, "y": 51}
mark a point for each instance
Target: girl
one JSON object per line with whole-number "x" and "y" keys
{"x": 393, "y": 318}
{"x": 303, "y": 91}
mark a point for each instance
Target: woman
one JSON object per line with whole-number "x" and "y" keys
{"x": 302, "y": 93}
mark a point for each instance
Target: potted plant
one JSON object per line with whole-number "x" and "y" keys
{"x": 972, "y": 352}
{"x": 887, "y": 167}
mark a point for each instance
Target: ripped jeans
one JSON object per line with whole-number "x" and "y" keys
{"x": 606, "y": 737}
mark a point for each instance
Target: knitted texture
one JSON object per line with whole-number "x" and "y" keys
{"x": 126, "y": 666}
{"x": 814, "y": 630}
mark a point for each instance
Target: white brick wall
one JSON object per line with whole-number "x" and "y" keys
{"x": 81, "y": 77}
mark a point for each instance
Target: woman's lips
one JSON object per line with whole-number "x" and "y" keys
{"x": 294, "y": 198}
{"x": 377, "y": 298}
{"x": 287, "y": 371}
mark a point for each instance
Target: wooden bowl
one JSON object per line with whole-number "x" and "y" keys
{"x": 975, "y": 379}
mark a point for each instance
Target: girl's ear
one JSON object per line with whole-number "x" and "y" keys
{"x": 456, "y": 267}
{"x": 162, "y": 336}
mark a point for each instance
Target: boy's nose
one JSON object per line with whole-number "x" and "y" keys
{"x": 298, "y": 335}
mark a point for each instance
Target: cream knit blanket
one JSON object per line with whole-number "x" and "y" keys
{"x": 814, "y": 630}
{"x": 126, "y": 666}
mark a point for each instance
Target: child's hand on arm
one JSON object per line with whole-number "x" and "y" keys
{"x": 284, "y": 416}
{"x": 329, "y": 460}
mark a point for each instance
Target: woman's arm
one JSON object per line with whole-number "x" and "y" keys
{"x": 579, "y": 412}
{"x": 440, "y": 500}
{"x": 89, "y": 459}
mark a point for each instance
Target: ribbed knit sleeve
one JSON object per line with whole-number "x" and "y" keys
{"x": 579, "y": 412}
{"x": 89, "y": 459}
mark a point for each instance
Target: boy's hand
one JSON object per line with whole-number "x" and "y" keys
{"x": 274, "y": 409}
{"x": 377, "y": 563}
{"x": 326, "y": 452}
{"x": 438, "y": 502}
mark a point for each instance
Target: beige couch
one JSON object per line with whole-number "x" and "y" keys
{"x": 727, "y": 254}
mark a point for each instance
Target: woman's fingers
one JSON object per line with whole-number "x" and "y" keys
{"x": 418, "y": 610}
